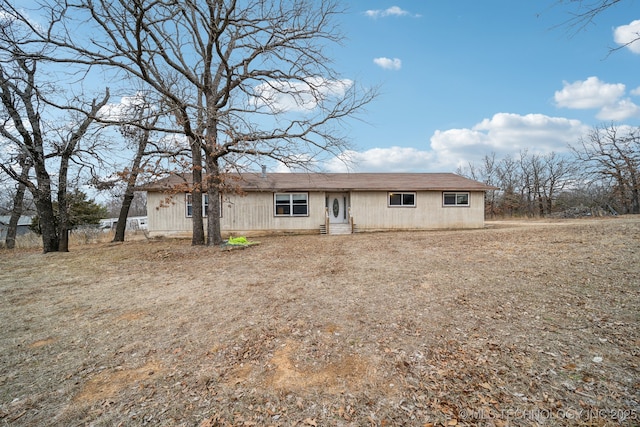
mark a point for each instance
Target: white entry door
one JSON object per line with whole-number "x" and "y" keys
{"x": 337, "y": 204}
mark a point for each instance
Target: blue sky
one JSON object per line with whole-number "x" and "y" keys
{"x": 464, "y": 78}
{"x": 460, "y": 79}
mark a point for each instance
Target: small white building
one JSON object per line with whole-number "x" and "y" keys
{"x": 332, "y": 203}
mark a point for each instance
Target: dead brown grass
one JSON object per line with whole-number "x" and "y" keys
{"x": 521, "y": 323}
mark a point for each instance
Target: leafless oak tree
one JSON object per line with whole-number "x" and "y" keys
{"x": 611, "y": 154}
{"x": 24, "y": 139}
{"x": 138, "y": 131}
{"x": 529, "y": 184}
{"x": 247, "y": 80}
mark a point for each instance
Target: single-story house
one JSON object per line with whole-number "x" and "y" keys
{"x": 331, "y": 203}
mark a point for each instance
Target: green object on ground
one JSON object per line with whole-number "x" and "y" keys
{"x": 240, "y": 241}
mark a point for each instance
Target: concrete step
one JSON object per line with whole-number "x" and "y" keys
{"x": 339, "y": 229}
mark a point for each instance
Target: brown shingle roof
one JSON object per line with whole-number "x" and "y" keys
{"x": 337, "y": 182}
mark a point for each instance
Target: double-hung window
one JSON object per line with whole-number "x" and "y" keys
{"x": 291, "y": 204}
{"x": 399, "y": 199}
{"x": 455, "y": 199}
{"x": 189, "y": 205}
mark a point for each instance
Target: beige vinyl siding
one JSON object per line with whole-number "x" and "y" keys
{"x": 167, "y": 215}
{"x": 254, "y": 214}
{"x": 250, "y": 214}
{"x": 370, "y": 212}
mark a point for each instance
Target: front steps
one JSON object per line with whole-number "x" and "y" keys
{"x": 335, "y": 229}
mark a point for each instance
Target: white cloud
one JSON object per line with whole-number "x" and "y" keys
{"x": 636, "y": 91}
{"x": 590, "y": 93}
{"x": 505, "y": 134}
{"x": 282, "y": 96}
{"x": 594, "y": 93}
{"x": 619, "y": 111}
{"x": 392, "y": 11}
{"x": 628, "y": 36}
{"x": 388, "y": 64}
{"x": 124, "y": 109}
{"x": 20, "y": 20}
{"x": 391, "y": 159}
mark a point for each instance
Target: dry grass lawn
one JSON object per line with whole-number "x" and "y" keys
{"x": 521, "y": 323}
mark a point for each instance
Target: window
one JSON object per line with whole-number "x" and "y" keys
{"x": 402, "y": 199}
{"x": 455, "y": 199}
{"x": 205, "y": 205}
{"x": 291, "y": 204}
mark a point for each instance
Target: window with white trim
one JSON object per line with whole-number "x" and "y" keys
{"x": 399, "y": 199}
{"x": 291, "y": 204}
{"x": 455, "y": 199}
{"x": 205, "y": 205}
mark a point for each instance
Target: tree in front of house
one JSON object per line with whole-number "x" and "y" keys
{"x": 137, "y": 130}
{"x": 246, "y": 80}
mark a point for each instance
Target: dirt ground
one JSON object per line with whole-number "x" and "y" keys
{"x": 517, "y": 324}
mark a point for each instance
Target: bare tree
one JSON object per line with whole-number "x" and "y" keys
{"x": 529, "y": 170}
{"x": 585, "y": 14}
{"x": 560, "y": 172}
{"x": 543, "y": 177}
{"x": 247, "y": 80}
{"x": 66, "y": 148}
{"x": 587, "y": 11}
{"x": 487, "y": 173}
{"x": 19, "y": 87}
{"x": 23, "y": 102}
{"x": 529, "y": 185}
{"x": 611, "y": 153}
{"x": 139, "y": 133}
{"x": 510, "y": 181}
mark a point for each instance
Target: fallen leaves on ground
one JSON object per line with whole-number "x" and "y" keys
{"x": 519, "y": 324}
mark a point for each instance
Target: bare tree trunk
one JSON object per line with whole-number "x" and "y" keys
{"x": 63, "y": 206}
{"x": 16, "y": 213}
{"x": 549, "y": 200}
{"x": 635, "y": 201}
{"x": 131, "y": 185}
{"x": 214, "y": 236}
{"x": 63, "y": 174}
{"x": 634, "y": 180}
{"x": 18, "y": 204}
{"x": 44, "y": 206}
{"x": 121, "y": 225}
{"x": 197, "y": 237}
{"x": 214, "y": 176}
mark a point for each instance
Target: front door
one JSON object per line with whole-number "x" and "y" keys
{"x": 337, "y": 204}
